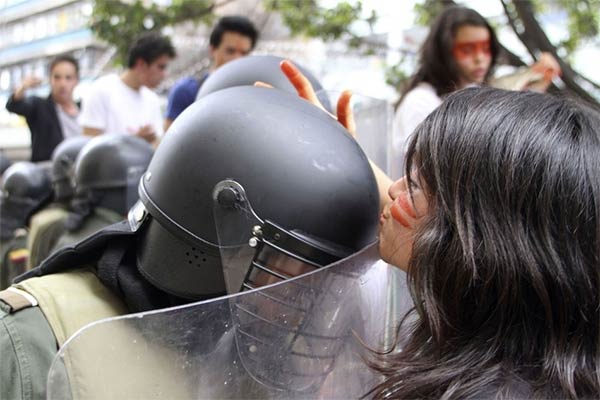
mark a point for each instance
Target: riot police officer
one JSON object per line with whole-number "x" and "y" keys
{"x": 306, "y": 179}
{"x": 47, "y": 225}
{"x": 105, "y": 177}
{"x": 25, "y": 188}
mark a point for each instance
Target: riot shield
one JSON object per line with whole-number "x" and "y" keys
{"x": 373, "y": 119}
{"x": 281, "y": 336}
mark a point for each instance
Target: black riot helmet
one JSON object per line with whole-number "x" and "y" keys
{"x": 25, "y": 188}
{"x": 63, "y": 163}
{"x": 245, "y": 71}
{"x": 107, "y": 171}
{"x": 300, "y": 169}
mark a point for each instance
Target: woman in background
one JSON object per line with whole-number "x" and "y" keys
{"x": 461, "y": 50}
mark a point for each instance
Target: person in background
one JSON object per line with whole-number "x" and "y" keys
{"x": 105, "y": 178}
{"x": 125, "y": 104}
{"x": 50, "y": 119}
{"x": 461, "y": 50}
{"x": 26, "y": 188}
{"x": 232, "y": 37}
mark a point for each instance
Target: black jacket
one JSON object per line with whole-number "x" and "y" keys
{"x": 46, "y": 132}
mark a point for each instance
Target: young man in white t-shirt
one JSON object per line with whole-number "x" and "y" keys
{"x": 125, "y": 104}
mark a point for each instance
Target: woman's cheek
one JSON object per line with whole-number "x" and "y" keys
{"x": 402, "y": 210}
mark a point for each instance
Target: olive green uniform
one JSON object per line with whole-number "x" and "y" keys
{"x": 98, "y": 219}
{"x": 13, "y": 258}
{"x": 45, "y": 228}
{"x": 27, "y": 347}
{"x": 31, "y": 333}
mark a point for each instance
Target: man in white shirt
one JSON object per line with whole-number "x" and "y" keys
{"x": 125, "y": 104}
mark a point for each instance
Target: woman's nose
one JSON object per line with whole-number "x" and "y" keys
{"x": 397, "y": 187}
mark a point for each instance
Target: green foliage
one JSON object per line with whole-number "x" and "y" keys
{"x": 583, "y": 21}
{"x": 118, "y": 23}
{"x": 396, "y": 76}
{"x": 428, "y": 10}
{"x": 306, "y": 17}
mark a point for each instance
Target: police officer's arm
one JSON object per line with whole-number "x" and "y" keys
{"x": 344, "y": 116}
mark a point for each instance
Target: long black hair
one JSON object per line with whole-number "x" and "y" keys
{"x": 505, "y": 267}
{"x": 436, "y": 63}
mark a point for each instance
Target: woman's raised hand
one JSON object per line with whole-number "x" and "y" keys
{"x": 307, "y": 92}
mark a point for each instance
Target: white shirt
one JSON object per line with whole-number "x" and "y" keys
{"x": 68, "y": 123}
{"x": 415, "y": 107}
{"x": 114, "y": 107}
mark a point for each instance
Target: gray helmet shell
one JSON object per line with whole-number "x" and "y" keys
{"x": 245, "y": 71}
{"x": 298, "y": 166}
{"x": 108, "y": 169}
{"x": 25, "y": 188}
{"x": 107, "y": 160}
{"x": 63, "y": 163}
{"x": 5, "y": 162}
{"x": 26, "y": 180}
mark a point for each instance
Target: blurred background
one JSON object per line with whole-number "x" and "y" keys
{"x": 368, "y": 46}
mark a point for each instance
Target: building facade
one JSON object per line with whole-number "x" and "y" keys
{"x": 33, "y": 32}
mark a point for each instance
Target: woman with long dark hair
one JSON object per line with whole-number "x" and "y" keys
{"x": 498, "y": 227}
{"x": 460, "y": 50}
{"x": 497, "y": 224}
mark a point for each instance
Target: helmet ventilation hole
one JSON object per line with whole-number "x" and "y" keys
{"x": 196, "y": 257}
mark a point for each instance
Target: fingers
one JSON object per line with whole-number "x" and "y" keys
{"x": 263, "y": 85}
{"x": 31, "y": 82}
{"x": 300, "y": 82}
{"x": 344, "y": 112}
{"x": 147, "y": 133}
{"x": 548, "y": 66}
{"x": 307, "y": 92}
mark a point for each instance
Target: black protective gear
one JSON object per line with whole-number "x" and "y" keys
{"x": 299, "y": 168}
{"x": 5, "y": 162}
{"x": 25, "y": 188}
{"x": 245, "y": 71}
{"x": 63, "y": 162}
{"x": 107, "y": 171}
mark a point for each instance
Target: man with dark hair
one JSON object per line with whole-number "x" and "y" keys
{"x": 54, "y": 118}
{"x": 233, "y": 37}
{"x": 125, "y": 104}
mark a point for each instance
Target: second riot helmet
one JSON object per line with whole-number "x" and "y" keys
{"x": 25, "y": 188}
{"x": 107, "y": 171}
{"x": 63, "y": 163}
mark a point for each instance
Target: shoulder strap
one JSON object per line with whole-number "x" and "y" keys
{"x": 71, "y": 300}
{"x": 17, "y": 299}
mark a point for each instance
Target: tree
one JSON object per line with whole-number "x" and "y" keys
{"x": 119, "y": 22}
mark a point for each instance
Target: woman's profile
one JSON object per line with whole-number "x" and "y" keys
{"x": 497, "y": 225}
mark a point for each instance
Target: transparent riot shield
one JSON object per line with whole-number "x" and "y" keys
{"x": 373, "y": 119}
{"x": 294, "y": 329}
